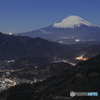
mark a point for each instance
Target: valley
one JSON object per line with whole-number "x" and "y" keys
{"x": 49, "y": 63}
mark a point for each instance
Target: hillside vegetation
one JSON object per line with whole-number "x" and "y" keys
{"x": 84, "y": 77}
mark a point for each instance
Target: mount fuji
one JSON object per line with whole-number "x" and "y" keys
{"x": 72, "y": 22}
{"x": 69, "y": 30}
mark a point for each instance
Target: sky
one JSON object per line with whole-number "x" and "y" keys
{"x": 17, "y": 16}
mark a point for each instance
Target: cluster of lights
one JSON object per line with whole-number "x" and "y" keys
{"x": 77, "y": 40}
{"x": 81, "y": 58}
{"x": 67, "y": 37}
{"x": 10, "y": 33}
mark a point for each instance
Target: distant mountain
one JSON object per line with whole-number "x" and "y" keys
{"x": 72, "y": 22}
{"x": 70, "y": 30}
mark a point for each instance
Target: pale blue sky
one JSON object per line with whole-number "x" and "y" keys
{"x": 27, "y": 15}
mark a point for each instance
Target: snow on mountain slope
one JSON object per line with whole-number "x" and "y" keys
{"x": 69, "y": 30}
{"x": 72, "y": 22}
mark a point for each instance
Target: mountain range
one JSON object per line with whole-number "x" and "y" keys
{"x": 72, "y": 29}
{"x": 15, "y": 47}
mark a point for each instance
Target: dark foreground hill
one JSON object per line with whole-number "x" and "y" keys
{"x": 84, "y": 77}
{"x": 40, "y": 72}
{"x": 28, "y": 62}
{"x": 39, "y": 68}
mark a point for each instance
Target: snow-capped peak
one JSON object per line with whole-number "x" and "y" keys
{"x": 72, "y": 22}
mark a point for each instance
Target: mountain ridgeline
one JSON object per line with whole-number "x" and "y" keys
{"x": 68, "y": 31}
{"x": 15, "y": 47}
